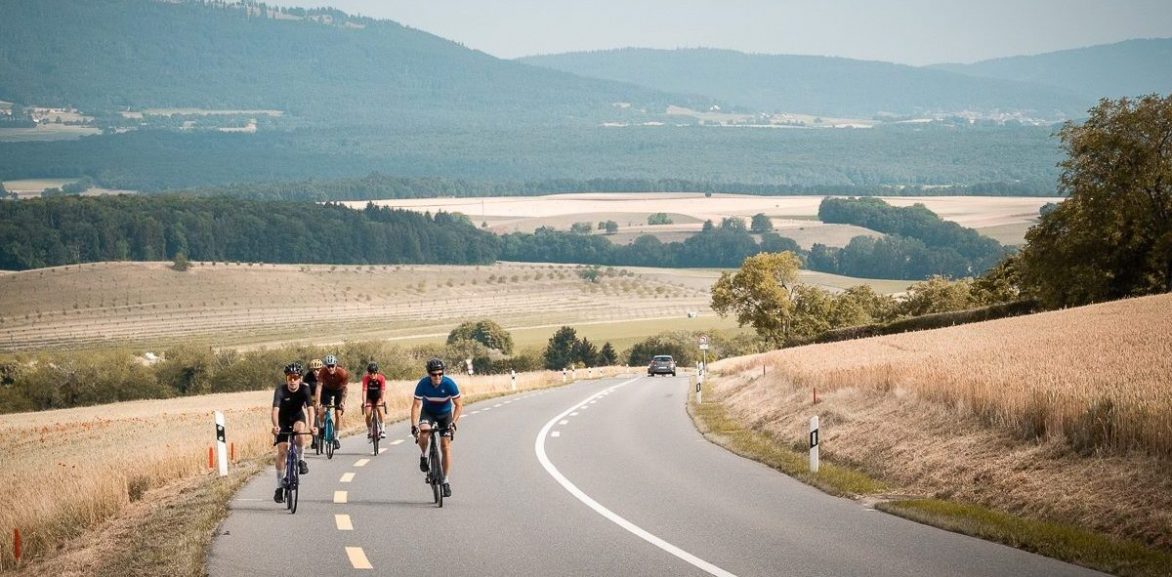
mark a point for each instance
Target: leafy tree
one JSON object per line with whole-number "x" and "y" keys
{"x": 611, "y": 227}
{"x": 760, "y": 294}
{"x": 859, "y": 305}
{"x": 813, "y": 310}
{"x": 181, "y": 263}
{"x": 659, "y": 218}
{"x": 581, "y": 228}
{"x": 559, "y": 352}
{"x": 1112, "y": 237}
{"x": 486, "y": 332}
{"x": 938, "y": 295}
{"x": 761, "y": 223}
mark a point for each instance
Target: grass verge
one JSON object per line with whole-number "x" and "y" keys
{"x": 1059, "y": 541}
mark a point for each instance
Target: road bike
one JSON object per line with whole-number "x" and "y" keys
{"x": 374, "y": 430}
{"x": 326, "y": 433}
{"x": 292, "y": 474}
{"x": 435, "y": 462}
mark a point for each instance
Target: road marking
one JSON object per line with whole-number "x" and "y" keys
{"x": 564, "y": 422}
{"x": 486, "y": 409}
{"x": 343, "y": 522}
{"x": 358, "y": 558}
{"x": 339, "y": 496}
{"x": 396, "y": 442}
{"x": 539, "y": 448}
{"x": 346, "y": 478}
{"x": 556, "y": 434}
{"x": 497, "y": 405}
{"x": 382, "y": 450}
{"x": 473, "y": 412}
{"x": 574, "y": 414}
{"x": 361, "y": 462}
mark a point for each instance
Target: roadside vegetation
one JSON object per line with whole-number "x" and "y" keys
{"x": 132, "y": 449}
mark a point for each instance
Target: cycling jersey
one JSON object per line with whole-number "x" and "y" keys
{"x": 291, "y": 405}
{"x": 336, "y": 381}
{"x": 437, "y": 400}
{"x": 373, "y": 388}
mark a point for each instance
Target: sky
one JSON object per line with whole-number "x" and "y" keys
{"x": 915, "y": 32}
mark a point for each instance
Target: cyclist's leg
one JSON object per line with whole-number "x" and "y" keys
{"x": 339, "y": 397}
{"x": 299, "y": 426}
{"x": 366, "y": 414}
{"x": 446, "y": 445}
{"x": 425, "y": 425}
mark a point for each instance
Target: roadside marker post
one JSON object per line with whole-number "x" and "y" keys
{"x": 703, "y": 366}
{"x": 221, "y": 445}
{"x": 563, "y": 374}
{"x": 814, "y": 444}
{"x": 211, "y": 457}
{"x": 514, "y": 379}
{"x": 16, "y": 544}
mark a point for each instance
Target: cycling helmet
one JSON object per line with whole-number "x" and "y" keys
{"x": 435, "y": 365}
{"x": 330, "y": 360}
{"x": 315, "y": 364}
{"x": 293, "y": 368}
{"x": 372, "y": 368}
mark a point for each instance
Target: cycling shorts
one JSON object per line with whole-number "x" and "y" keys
{"x": 443, "y": 421}
{"x": 372, "y": 396}
{"x": 336, "y": 397}
{"x": 286, "y": 423}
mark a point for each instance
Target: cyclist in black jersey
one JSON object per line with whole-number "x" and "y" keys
{"x": 291, "y": 403}
{"x": 310, "y": 379}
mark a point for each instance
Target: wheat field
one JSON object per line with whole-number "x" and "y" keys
{"x": 1064, "y": 415}
{"x": 67, "y": 471}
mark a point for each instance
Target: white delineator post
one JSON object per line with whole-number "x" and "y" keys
{"x": 221, "y": 445}
{"x": 563, "y": 374}
{"x": 814, "y": 444}
{"x": 514, "y": 372}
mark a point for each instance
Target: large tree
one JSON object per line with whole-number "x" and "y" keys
{"x": 485, "y": 332}
{"x": 1112, "y": 237}
{"x": 760, "y": 294}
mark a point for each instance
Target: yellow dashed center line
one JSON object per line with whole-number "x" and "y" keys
{"x": 343, "y": 522}
{"x": 340, "y": 496}
{"x": 396, "y": 441}
{"x": 357, "y": 558}
{"x": 361, "y": 462}
{"x": 346, "y": 478}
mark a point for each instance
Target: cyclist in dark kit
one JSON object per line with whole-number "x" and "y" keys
{"x": 292, "y": 413}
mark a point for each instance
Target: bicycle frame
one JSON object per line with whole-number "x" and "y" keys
{"x": 327, "y": 430}
{"x": 375, "y": 428}
{"x": 292, "y": 475}
{"x": 435, "y": 458}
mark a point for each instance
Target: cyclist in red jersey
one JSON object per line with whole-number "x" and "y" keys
{"x": 331, "y": 389}
{"x": 374, "y": 388}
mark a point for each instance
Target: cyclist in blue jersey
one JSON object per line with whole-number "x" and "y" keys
{"x": 437, "y": 404}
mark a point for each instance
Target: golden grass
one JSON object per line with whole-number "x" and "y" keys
{"x": 68, "y": 471}
{"x": 1063, "y": 416}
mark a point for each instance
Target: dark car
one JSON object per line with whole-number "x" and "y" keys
{"x": 662, "y": 365}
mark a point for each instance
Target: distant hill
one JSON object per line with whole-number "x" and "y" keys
{"x": 816, "y": 84}
{"x": 110, "y": 55}
{"x": 1129, "y": 68}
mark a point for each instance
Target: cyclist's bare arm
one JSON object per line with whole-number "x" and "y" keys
{"x": 416, "y": 406}
{"x": 276, "y": 421}
{"x": 457, "y": 409}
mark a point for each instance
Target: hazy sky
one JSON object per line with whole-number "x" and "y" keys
{"x": 905, "y": 31}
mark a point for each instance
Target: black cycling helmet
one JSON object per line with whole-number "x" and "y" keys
{"x": 293, "y": 368}
{"x": 434, "y": 365}
{"x": 372, "y": 368}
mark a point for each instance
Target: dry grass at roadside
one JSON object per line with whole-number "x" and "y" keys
{"x": 1063, "y": 416}
{"x": 73, "y": 470}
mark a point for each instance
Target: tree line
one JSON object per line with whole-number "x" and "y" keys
{"x": 64, "y": 230}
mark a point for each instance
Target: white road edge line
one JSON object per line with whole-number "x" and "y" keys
{"x": 539, "y": 448}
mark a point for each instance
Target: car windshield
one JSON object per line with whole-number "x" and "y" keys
{"x": 663, "y": 359}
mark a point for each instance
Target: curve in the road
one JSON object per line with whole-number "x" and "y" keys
{"x": 539, "y": 447}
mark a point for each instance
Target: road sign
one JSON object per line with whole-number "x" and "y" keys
{"x": 703, "y": 342}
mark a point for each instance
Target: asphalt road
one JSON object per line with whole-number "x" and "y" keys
{"x": 605, "y": 477}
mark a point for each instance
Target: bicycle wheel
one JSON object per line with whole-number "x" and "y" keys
{"x": 329, "y": 438}
{"x": 437, "y": 475}
{"x": 374, "y": 434}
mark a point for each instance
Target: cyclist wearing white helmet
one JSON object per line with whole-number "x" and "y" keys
{"x": 331, "y": 389}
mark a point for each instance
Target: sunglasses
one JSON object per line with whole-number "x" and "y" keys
{"x": 331, "y": 366}
{"x": 439, "y": 374}
{"x": 292, "y": 377}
